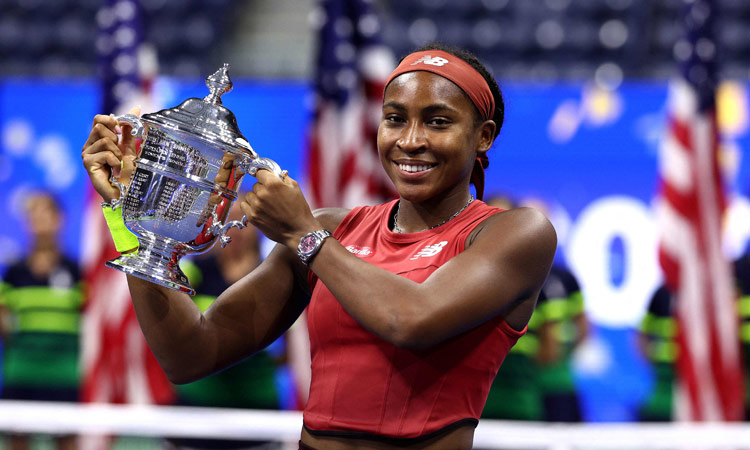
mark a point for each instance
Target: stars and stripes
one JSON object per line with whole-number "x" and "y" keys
{"x": 692, "y": 204}
{"x": 118, "y": 367}
{"x": 352, "y": 66}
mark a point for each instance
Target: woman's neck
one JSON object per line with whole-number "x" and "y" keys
{"x": 412, "y": 217}
{"x": 43, "y": 260}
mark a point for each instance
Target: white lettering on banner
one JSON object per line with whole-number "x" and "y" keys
{"x": 588, "y": 246}
{"x": 433, "y": 61}
{"x": 588, "y": 250}
{"x": 736, "y": 231}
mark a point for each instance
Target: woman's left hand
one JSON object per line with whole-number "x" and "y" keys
{"x": 278, "y": 209}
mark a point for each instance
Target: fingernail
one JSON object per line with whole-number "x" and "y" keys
{"x": 118, "y": 129}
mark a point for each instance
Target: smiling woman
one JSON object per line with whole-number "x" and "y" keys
{"x": 412, "y": 304}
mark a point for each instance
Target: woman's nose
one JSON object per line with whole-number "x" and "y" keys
{"x": 412, "y": 139}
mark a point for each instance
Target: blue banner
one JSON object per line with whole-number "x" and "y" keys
{"x": 588, "y": 156}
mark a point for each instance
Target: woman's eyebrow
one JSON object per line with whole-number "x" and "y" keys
{"x": 392, "y": 104}
{"x": 438, "y": 107}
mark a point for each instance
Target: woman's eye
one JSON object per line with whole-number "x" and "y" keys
{"x": 394, "y": 119}
{"x": 439, "y": 121}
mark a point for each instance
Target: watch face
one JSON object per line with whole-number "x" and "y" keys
{"x": 308, "y": 244}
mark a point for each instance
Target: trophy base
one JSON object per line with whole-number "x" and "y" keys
{"x": 150, "y": 265}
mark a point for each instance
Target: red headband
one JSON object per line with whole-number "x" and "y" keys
{"x": 455, "y": 69}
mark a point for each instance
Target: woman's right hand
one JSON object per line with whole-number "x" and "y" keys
{"x": 109, "y": 149}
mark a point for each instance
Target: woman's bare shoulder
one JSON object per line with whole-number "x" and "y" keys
{"x": 525, "y": 224}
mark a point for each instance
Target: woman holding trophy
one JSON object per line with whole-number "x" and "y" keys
{"x": 412, "y": 304}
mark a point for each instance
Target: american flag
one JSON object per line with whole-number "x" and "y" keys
{"x": 710, "y": 385}
{"x": 352, "y": 66}
{"x": 118, "y": 367}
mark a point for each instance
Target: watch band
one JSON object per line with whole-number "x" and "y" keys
{"x": 310, "y": 244}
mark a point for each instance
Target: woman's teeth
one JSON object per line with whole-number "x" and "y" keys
{"x": 411, "y": 168}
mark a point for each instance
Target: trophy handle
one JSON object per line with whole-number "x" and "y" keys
{"x": 221, "y": 229}
{"x": 251, "y": 166}
{"x": 118, "y": 201}
{"x": 137, "y": 131}
{"x": 134, "y": 121}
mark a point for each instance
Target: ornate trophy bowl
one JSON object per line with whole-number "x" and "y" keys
{"x": 188, "y": 170}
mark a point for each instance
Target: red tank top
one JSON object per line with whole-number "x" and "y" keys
{"x": 363, "y": 386}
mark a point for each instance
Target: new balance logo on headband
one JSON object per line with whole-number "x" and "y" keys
{"x": 431, "y": 60}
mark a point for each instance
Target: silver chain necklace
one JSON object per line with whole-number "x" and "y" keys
{"x": 398, "y": 229}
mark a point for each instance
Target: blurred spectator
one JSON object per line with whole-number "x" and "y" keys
{"x": 251, "y": 383}
{"x": 515, "y": 393}
{"x": 657, "y": 342}
{"x": 658, "y": 331}
{"x": 535, "y": 382}
{"x": 563, "y": 328}
{"x": 41, "y": 298}
{"x": 742, "y": 277}
{"x": 501, "y": 201}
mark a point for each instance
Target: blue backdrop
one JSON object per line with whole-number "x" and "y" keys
{"x": 586, "y": 155}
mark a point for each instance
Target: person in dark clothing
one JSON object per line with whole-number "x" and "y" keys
{"x": 41, "y": 299}
{"x": 563, "y": 327}
{"x": 742, "y": 286}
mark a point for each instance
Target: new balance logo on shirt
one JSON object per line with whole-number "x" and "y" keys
{"x": 426, "y": 252}
{"x": 430, "y": 250}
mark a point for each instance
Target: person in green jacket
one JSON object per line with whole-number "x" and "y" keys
{"x": 657, "y": 334}
{"x": 41, "y": 300}
{"x": 563, "y": 326}
{"x": 742, "y": 286}
{"x": 515, "y": 393}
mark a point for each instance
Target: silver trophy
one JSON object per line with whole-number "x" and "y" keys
{"x": 189, "y": 168}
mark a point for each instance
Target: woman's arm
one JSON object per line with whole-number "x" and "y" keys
{"x": 251, "y": 314}
{"x": 501, "y": 272}
{"x": 248, "y": 316}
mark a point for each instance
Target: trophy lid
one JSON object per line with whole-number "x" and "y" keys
{"x": 205, "y": 118}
